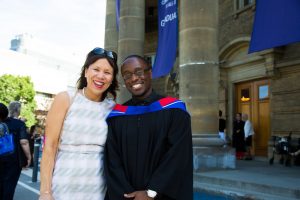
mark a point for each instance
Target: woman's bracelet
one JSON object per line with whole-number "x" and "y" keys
{"x": 46, "y": 192}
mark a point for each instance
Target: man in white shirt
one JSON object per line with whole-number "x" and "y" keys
{"x": 248, "y": 130}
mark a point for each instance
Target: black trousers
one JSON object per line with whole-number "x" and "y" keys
{"x": 9, "y": 176}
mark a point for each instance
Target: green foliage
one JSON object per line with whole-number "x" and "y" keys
{"x": 19, "y": 88}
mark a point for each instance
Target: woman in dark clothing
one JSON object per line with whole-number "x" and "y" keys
{"x": 31, "y": 138}
{"x": 11, "y": 165}
{"x": 238, "y": 141}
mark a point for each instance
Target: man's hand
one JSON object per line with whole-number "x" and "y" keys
{"x": 138, "y": 195}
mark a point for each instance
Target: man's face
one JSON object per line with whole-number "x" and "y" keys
{"x": 137, "y": 77}
{"x": 238, "y": 117}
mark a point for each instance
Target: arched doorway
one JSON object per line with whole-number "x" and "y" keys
{"x": 242, "y": 73}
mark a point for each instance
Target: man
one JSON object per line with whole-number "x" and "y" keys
{"x": 11, "y": 165}
{"x": 149, "y": 145}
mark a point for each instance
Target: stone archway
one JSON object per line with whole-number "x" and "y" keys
{"x": 237, "y": 66}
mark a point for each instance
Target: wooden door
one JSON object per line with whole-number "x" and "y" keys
{"x": 253, "y": 99}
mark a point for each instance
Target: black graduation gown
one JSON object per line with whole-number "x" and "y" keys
{"x": 150, "y": 151}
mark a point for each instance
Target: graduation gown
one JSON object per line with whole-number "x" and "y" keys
{"x": 149, "y": 150}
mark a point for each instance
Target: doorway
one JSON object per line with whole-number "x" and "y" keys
{"x": 253, "y": 98}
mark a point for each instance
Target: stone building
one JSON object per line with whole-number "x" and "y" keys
{"x": 213, "y": 69}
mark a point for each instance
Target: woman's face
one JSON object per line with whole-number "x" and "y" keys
{"x": 99, "y": 76}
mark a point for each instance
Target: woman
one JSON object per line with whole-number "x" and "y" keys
{"x": 11, "y": 165}
{"x": 76, "y": 130}
{"x": 31, "y": 138}
{"x": 249, "y": 132}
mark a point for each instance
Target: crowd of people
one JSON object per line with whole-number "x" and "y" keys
{"x": 97, "y": 149}
{"x": 242, "y": 135}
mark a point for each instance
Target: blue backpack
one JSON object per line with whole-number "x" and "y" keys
{"x": 7, "y": 145}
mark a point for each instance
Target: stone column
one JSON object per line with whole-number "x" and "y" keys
{"x": 131, "y": 35}
{"x": 111, "y": 32}
{"x": 198, "y": 62}
{"x": 199, "y": 81}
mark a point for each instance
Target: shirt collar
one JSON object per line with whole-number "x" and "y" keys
{"x": 148, "y": 100}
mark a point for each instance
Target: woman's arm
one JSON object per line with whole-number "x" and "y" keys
{"x": 54, "y": 123}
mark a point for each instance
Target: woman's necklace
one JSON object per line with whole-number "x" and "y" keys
{"x": 85, "y": 95}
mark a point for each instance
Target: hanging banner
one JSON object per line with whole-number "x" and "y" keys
{"x": 276, "y": 23}
{"x": 167, "y": 38}
{"x": 117, "y": 13}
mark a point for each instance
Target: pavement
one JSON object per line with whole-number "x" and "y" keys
{"x": 26, "y": 189}
{"x": 252, "y": 180}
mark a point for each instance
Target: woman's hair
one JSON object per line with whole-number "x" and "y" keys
{"x": 3, "y": 112}
{"x": 32, "y": 129}
{"x": 90, "y": 59}
{"x": 14, "y": 109}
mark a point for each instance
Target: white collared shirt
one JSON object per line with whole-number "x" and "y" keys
{"x": 248, "y": 129}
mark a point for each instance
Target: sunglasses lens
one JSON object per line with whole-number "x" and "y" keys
{"x": 100, "y": 51}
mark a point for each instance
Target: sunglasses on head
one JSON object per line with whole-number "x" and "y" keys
{"x": 100, "y": 51}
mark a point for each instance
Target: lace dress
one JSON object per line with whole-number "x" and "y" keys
{"x": 78, "y": 171}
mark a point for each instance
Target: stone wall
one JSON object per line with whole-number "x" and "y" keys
{"x": 285, "y": 103}
{"x": 234, "y": 24}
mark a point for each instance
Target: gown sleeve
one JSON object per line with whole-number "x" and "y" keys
{"x": 117, "y": 184}
{"x": 174, "y": 174}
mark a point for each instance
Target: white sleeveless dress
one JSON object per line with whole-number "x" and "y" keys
{"x": 78, "y": 171}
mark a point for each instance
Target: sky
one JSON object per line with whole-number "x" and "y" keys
{"x": 74, "y": 25}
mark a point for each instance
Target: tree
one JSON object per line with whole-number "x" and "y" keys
{"x": 19, "y": 88}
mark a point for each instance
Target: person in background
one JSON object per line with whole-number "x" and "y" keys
{"x": 31, "y": 137}
{"x": 148, "y": 154}
{"x": 249, "y": 132}
{"x": 222, "y": 126}
{"x": 76, "y": 130}
{"x": 11, "y": 165}
{"x": 238, "y": 141}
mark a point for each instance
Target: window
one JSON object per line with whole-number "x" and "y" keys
{"x": 150, "y": 59}
{"x": 151, "y": 11}
{"x": 245, "y": 95}
{"x": 243, "y": 3}
{"x": 263, "y": 92}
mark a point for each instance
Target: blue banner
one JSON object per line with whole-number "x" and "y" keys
{"x": 167, "y": 38}
{"x": 276, "y": 23}
{"x": 117, "y": 13}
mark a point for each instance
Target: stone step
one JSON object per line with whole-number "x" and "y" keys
{"x": 246, "y": 188}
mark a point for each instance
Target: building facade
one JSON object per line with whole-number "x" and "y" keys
{"x": 213, "y": 69}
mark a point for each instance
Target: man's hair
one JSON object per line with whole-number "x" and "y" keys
{"x": 14, "y": 109}
{"x": 3, "y": 112}
{"x": 148, "y": 64}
